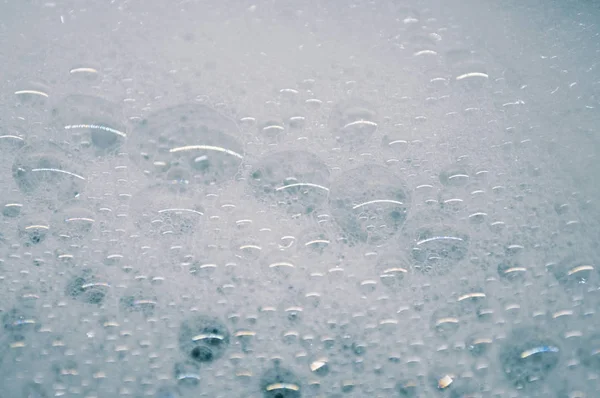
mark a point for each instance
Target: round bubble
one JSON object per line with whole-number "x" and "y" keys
{"x": 166, "y": 212}
{"x": 392, "y": 269}
{"x": 73, "y": 222}
{"x": 10, "y": 143}
{"x": 203, "y": 338}
{"x": 91, "y": 122}
{"x": 295, "y": 180}
{"x": 369, "y": 203}
{"x": 353, "y": 122}
{"x": 189, "y": 143}
{"x": 589, "y": 352}
{"x": 46, "y": 172}
{"x": 438, "y": 248}
{"x": 33, "y": 230}
{"x": 139, "y": 301}
{"x": 32, "y": 390}
{"x": 528, "y": 356}
{"x": 280, "y": 383}
{"x": 573, "y": 270}
{"x": 187, "y": 373}
{"x": 18, "y": 321}
{"x": 87, "y": 287}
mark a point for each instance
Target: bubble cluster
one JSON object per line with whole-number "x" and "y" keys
{"x": 337, "y": 200}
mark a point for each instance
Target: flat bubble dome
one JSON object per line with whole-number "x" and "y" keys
{"x": 369, "y": 200}
{"x": 91, "y": 122}
{"x": 48, "y": 172}
{"x": 191, "y": 142}
{"x": 298, "y": 180}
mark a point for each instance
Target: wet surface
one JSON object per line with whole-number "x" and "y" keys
{"x": 277, "y": 199}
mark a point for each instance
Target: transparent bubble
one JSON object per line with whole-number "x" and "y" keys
{"x": 512, "y": 271}
{"x": 189, "y": 143}
{"x": 466, "y": 388}
{"x": 408, "y": 388}
{"x": 353, "y": 121}
{"x": 19, "y": 321}
{"x": 479, "y": 343}
{"x": 91, "y": 122}
{"x": 65, "y": 370}
{"x": 295, "y": 180}
{"x": 73, "y": 222}
{"x": 187, "y": 373}
{"x": 473, "y": 302}
{"x": 141, "y": 301}
{"x": 279, "y": 382}
{"x": 369, "y": 203}
{"x": 12, "y": 208}
{"x": 84, "y": 73}
{"x": 573, "y": 270}
{"x": 167, "y": 392}
{"x": 445, "y": 322}
{"x": 589, "y": 351}
{"x": 438, "y": 249}
{"x": 392, "y": 270}
{"x": 528, "y": 356}
{"x": 31, "y": 97}
{"x": 28, "y": 296}
{"x": 203, "y": 338}
{"x": 279, "y": 266}
{"x": 162, "y": 211}
{"x": 468, "y": 68}
{"x": 32, "y": 390}
{"x": 33, "y": 230}
{"x": 271, "y": 130}
{"x": 10, "y": 143}
{"x": 46, "y": 172}
{"x": 454, "y": 177}
{"x": 88, "y": 287}
{"x": 316, "y": 242}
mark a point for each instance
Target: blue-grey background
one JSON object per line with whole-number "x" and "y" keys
{"x": 299, "y": 198}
